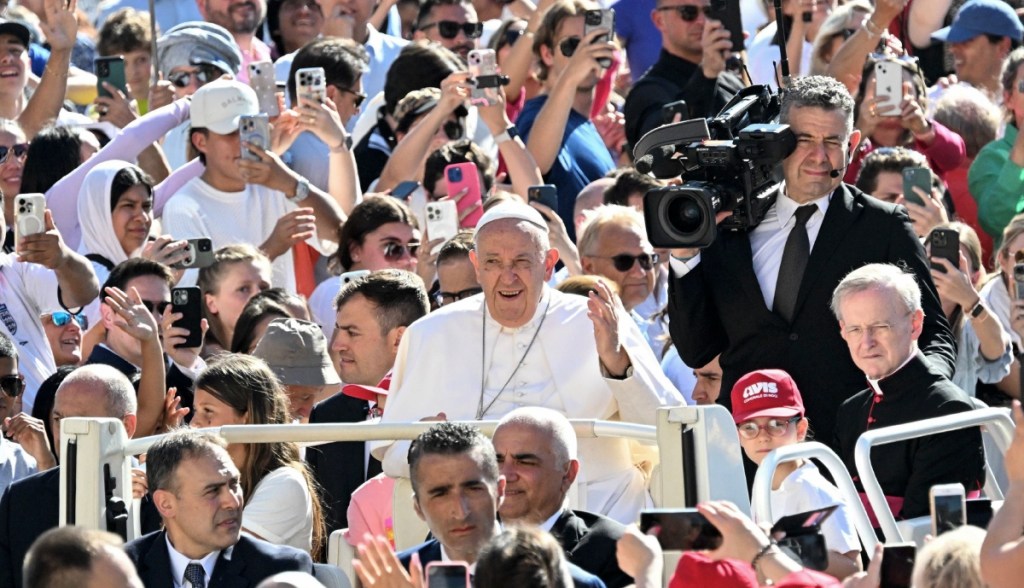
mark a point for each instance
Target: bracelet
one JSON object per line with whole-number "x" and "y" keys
{"x": 760, "y": 554}
{"x": 868, "y": 25}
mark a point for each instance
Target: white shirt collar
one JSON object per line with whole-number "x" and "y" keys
{"x": 179, "y": 562}
{"x": 874, "y": 383}
{"x": 785, "y": 207}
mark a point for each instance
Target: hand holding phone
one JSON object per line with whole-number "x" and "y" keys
{"x": 546, "y": 194}
{"x": 921, "y": 177}
{"x": 944, "y": 244}
{"x": 261, "y": 80}
{"x": 680, "y": 529}
{"x": 188, "y": 302}
{"x": 465, "y": 176}
{"x": 603, "y": 18}
{"x": 29, "y": 215}
{"x": 888, "y": 88}
{"x": 898, "y": 565}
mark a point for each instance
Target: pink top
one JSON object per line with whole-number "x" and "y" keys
{"x": 370, "y": 511}
{"x": 945, "y": 154}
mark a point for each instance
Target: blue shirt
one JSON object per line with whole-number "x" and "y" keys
{"x": 641, "y": 39}
{"x": 582, "y": 158}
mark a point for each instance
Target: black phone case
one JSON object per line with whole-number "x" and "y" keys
{"x": 728, "y": 12}
{"x": 187, "y": 301}
{"x": 945, "y": 244}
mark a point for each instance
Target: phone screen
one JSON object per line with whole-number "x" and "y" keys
{"x": 897, "y": 566}
{"x": 948, "y": 513}
{"x": 681, "y": 530}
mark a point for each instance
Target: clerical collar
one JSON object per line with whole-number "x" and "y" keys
{"x": 874, "y": 383}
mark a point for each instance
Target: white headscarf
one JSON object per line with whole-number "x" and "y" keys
{"x": 94, "y": 213}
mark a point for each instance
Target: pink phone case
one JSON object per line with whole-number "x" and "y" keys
{"x": 460, "y": 176}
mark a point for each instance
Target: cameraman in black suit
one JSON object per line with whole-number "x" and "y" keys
{"x": 761, "y": 297}
{"x": 196, "y": 488}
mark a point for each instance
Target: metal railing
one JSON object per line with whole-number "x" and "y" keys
{"x": 762, "y": 492}
{"x": 998, "y": 423}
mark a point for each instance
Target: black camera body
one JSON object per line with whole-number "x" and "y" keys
{"x": 734, "y": 167}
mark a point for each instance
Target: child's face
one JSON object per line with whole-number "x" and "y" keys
{"x": 759, "y": 446}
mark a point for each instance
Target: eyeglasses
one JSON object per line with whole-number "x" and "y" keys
{"x": 511, "y": 36}
{"x": 20, "y": 151}
{"x": 449, "y": 29}
{"x": 449, "y": 297}
{"x": 877, "y": 330}
{"x": 357, "y": 97}
{"x": 774, "y": 427}
{"x": 568, "y": 45}
{"x": 624, "y": 261}
{"x": 395, "y": 251}
{"x": 61, "y": 318}
{"x": 453, "y": 130}
{"x": 156, "y": 307}
{"x": 204, "y": 75}
{"x": 13, "y": 385}
{"x": 688, "y": 12}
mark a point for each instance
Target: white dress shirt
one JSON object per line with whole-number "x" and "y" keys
{"x": 179, "y": 562}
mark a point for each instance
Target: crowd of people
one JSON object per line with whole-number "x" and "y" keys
{"x": 166, "y": 265}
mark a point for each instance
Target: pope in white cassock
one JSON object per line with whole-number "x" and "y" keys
{"x": 521, "y": 343}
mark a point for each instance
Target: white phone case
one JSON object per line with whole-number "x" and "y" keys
{"x": 29, "y": 219}
{"x": 442, "y": 220}
{"x": 888, "y": 87}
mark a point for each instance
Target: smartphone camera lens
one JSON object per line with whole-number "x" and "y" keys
{"x": 455, "y": 175}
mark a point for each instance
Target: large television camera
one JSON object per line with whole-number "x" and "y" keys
{"x": 729, "y": 163}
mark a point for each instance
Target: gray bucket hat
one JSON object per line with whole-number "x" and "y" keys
{"x": 196, "y": 43}
{"x": 296, "y": 352}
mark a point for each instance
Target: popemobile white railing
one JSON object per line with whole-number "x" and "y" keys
{"x": 998, "y": 425}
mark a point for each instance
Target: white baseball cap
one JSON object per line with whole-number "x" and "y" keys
{"x": 219, "y": 105}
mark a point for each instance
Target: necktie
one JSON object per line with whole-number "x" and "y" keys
{"x": 794, "y": 260}
{"x": 196, "y": 575}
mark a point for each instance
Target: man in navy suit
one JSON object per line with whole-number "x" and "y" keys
{"x": 457, "y": 490}
{"x": 195, "y": 486}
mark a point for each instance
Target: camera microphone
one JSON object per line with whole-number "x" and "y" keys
{"x": 660, "y": 162}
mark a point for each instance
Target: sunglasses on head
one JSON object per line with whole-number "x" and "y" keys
{"x": 624, "y": 261}
{"x": 20, "y": 151}
{"x": 449, "y": 297}
{"x": 511, "y": 36}
{"x": 357, "y": 97}
{"x": 204, "y": 75}
{"x": 61, "y": 318}
{"x": 449, "y": 29}
{"x": 453, "y": 130}
{"x": 688, "y": 12}
{"x": 395, "y": 251}
{"x": 156, "y": 307}
{"x": 13, "y": 385}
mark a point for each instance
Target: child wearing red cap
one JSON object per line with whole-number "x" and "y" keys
{"x": 769, "y": 413}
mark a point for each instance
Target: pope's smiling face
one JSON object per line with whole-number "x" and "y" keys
{"x": 512, "y": 265}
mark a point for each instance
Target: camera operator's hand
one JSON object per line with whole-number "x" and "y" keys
{"x": 716, "y": 46}
{"x": 583, "y": 62}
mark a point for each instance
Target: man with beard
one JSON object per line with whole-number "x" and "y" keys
{"x": 556, "y": 125}
{"x": 241, "y": 18}
{"x": 450, "y": 23}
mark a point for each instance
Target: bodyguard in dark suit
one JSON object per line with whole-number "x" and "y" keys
{"x": 536, "y": 451}
{"x": 31, "y": 506}
{"x": 761, "y": 298}
{"x": 196, "y": 488}
{"x": 372, "y": 314}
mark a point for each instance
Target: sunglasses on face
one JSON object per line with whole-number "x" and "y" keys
{"x": 12, "y": 386}
{"x": 449, "y": 297}
{"x": 395, "y": 251}
{"x": 312, "y": 5}
{"x": 449, "y": 29}
{"x": 774, "y": 427}
{"x": 20, "y": 151}
{"x": 688, "y": 12}
{"x": 624, "y": 261}
{"x": 156, "y": 307}
{"x": 511, "y": 36}
{"x": 61, "y": 318}
{"x": 568, "y": 45}
{"x": 204, "y": 75}
{"x": 357, "y": 97}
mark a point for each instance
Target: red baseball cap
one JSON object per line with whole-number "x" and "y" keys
{"x": 765, "y": 393}
{"x": 368, "y": 393}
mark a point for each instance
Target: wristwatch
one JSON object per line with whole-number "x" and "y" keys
{"x": 301, "y": 191}
{"x": 510, "y": 132}
{"x": 977, "y": 310}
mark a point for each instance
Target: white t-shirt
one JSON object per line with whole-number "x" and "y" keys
{"x": 200, "y": 210}
{"x": 281, "y": 509}
{"x": 26, "y": 291}
{"x": 806, "y": 489}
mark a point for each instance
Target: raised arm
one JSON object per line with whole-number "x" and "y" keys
{"x": 60, "y": 28}
{"x": 848, "y": 62}
{"x": 522, "y": 169}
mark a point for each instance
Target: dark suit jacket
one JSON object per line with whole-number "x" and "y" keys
{"x": 174, "y": 377}
{"x": 719, "y": 308}
{"x": 252, "y": 560}
{"x": 339, "y": 467}
{"x": 31, "y": 507}
{"x": 908, "y": 469}
{"x": 589, "y": 540}
{"x": 431, "y": 551}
